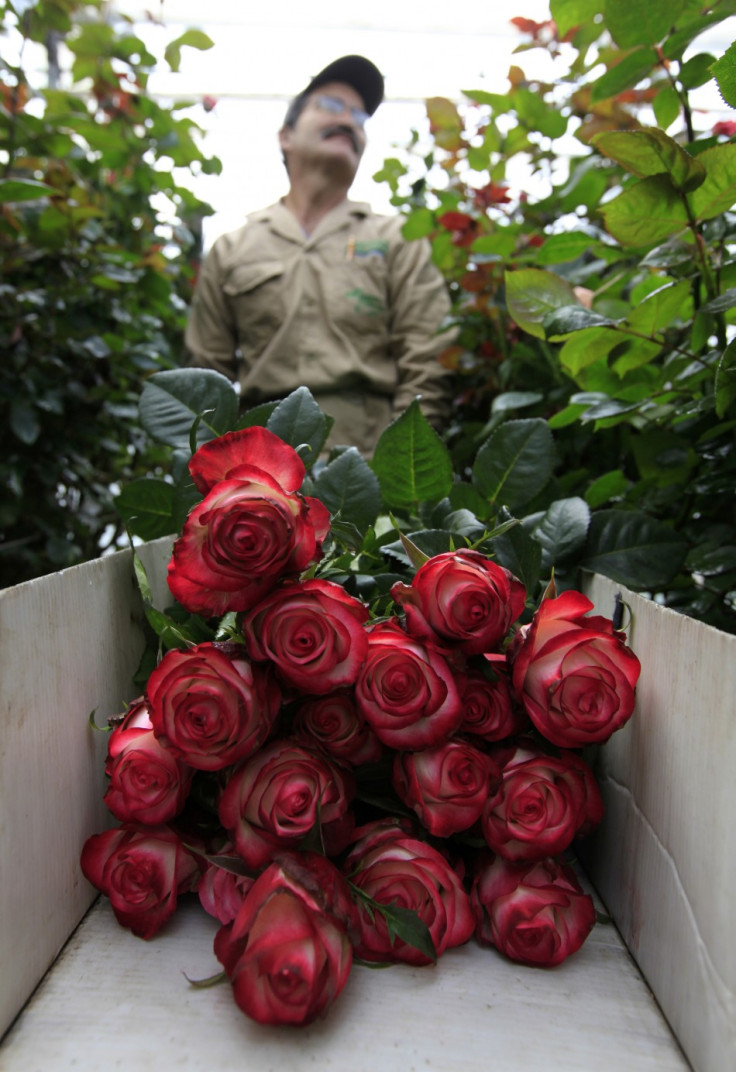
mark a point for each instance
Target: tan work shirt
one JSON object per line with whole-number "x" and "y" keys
{"x": 351, "y": 311}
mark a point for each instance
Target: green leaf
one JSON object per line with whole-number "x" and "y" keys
{"x": 172, "y": 400}
{"x": 406, "y": 925}
{"x": 174, "y": 634}
{"x": 563, "y": 247}
{"x": 670, "y": 303}
{"x": 586, "y": 347}
{"x": 411, "y": 462}
{"x": 419, "y": 224}
{"x": 300, "y": 422}
{"x": 724, "y": 72}
{"x": 520, "y": 553}
{"x": 24, "y": 422}
{"x": 537, "y": 115}
{"x": 514, "y": 463}
{"x": 193, "y": 39}
{"x": 147, "y": 506}
{"x": 666, "y": 106}
{"x": 562, "y": 531}
{"x": 646, "y": 213}
{"x": 696, "y": 71}
{"x": 641, "y": 24}
{"x": 651, "y": 152}
{"x": 718, "y": 192}
{"x": 611, "y": 485}
{"x": 572, "y": 318}
{"x": 634, "y": 549}
{"x": 349, "y": 489}
{"x": 625, "y": 74}
{"x": 725, "y": 382}
{"x": 12, "y": 190}
{"x": 532, "y": 294}
{"x": 571, "y": 13}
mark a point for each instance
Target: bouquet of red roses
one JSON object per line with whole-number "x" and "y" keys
{"x": 338, "y": 778}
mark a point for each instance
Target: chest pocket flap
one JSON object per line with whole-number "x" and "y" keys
{"x": 248, "y": 277}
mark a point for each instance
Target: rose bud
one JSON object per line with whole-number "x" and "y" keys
{"x": 575, "y": 675}
{"x": 312, "y": 631}
{"x": 463, "y": 598}
{"x": 534, "y": 913}
{"x": 147, "y": 782}
{"x": 406, "y": 690}
{"x": 391, "y": 867}
{"x": 447, "y": 786}
{"x": 542, "y": 803}
{"x": 142, "y": 870}
{"x": 250, "y": 530}
{"x": 276, "y": 798}
{"x": 489, "y": 711}
{"x": 335, "y": 723}
{"x": 288, "y": 952}
{"x": 221, "y": 891}
{"x": 210, "y": 705}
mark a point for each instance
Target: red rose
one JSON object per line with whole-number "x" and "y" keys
{"x": 447, "y": 786}
{"x": 335, "y": 723}
{"x": 575, "y": 675}
{"x": 221, "y": 892}
{"x": 238, "y": 543}
{"x": 406, "y": 690}
{"x": 463, "y": 598}
{"x": 256, "y": 448}
{"x": 488, "y": 707}
{"x": 393, "y": 868}
{"x": 210, "y": 705}
{"x": 148, "y": 783}
{"x": 279, "y": 795}
{"x": 541, "y": 804}
{"x": 312, "y": 631}
{"x": 142, "y": 870}
{"x": 534, "y": 913}
{"x": 287, "y": 953}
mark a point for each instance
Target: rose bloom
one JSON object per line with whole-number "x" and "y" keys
{"x": 447, "y": 786}
{"x": 334, "y": 722}
{"x": 392, "y": 867}
{"x": 147, "y": 782}
{"x": 312, "y": 631}
{"x": 288, "y": 952}
{"x": 142, "y": 869}
{"x": 463, "y": 598}
{"x": 489, "y": 710}
{"x": 280, "y": 794}
{"x": 534, "y": 913}
{"x": 210, "y": 705}
{"x": 542, "y": 803}
{"x": 221, "y": 891}
{"x": 249, "y": 531}
{"x": 575, "y": 675}
{"x": 406, "y": 690}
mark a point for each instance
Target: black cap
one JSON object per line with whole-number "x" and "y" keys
{"x": 355, "y": 71}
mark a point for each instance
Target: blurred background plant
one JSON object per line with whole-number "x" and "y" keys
{"x": 98, "y": 246}
{"x": 595, "y": 311}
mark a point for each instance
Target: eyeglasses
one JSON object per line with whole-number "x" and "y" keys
{"x": 336, "y": 106}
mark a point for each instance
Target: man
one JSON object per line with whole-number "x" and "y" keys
{"x": 319, "y": 291}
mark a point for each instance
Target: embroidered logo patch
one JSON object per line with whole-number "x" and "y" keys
{"x": 364, "y": 302}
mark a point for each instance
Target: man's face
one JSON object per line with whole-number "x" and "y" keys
{"x": 329, "y": 129}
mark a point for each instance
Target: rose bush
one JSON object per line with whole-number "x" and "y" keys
{"x": 147, "y": 782}
{"x": 390, "y": 866}
{"x": 210, "y": 705}
{"x": 541, "y": 804}
{"x": 463, "y": 598}
{"x": 534, "y": 913}
{"x": 278, "y": 796}
{"x": 574, "y": 674}
{"x": 312, "y": 632}
{"x": 406, "y": 689}
{"x": 446, "y": 786}
{"x": 142, "y": 869}
{"x": 288, "y": 952}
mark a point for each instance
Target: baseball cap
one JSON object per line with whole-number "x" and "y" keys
{"x": 355, "y": 71}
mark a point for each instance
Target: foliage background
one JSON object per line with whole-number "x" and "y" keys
{"x": 98, "y": 247}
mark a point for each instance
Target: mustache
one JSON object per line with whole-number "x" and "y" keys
{"x": 342, "y": 128}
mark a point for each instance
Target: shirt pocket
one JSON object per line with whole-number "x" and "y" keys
{"x": 256, "y": 295}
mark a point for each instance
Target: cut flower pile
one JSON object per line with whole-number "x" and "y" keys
{"x": 337, "y": 783}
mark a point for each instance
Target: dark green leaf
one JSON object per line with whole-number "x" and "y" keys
{"x": 147, "y": 505}
{"x": 25, "y": 422}
{"x": 514, "y": 463}
{"x": 724, "y": 72}
{"x": 411, "y": 462}
{"x": 13, "y": 190}
{"x": 349, "y": 489}
{"x": 725, "y": 382}
{"x": 300, "y": 422}
{"x": 572, "y": 318}
{"x": 172, "y": 400}
{"x": 634, "y": 549}
{"x": 532, "y": 294}
{"x": 562, "y": 531}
